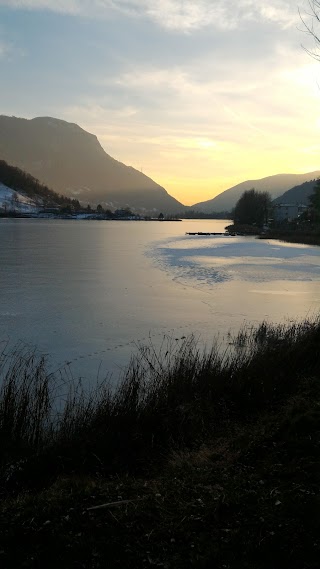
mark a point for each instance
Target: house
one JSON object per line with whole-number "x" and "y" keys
{"x": 288, "y": 212}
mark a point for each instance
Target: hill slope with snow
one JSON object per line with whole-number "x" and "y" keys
{"x": 16, "y": 202}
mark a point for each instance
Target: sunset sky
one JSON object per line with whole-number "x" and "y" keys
{"x": 198, "y": 94}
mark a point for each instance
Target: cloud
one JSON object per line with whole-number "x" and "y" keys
{"x": 195, "y": 14}
{"x": 62, "y": 6}
{"x": 174, "y": 15}
{"x": 194, "y": 114}
{"x": 3, "y": 50}
{"x": 6, "y": 49}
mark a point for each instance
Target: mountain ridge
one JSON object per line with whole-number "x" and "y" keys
{"x": 276, "y": 185}
{"x": 72, "y": 162}
{"x": 65, "y": 157}
{"x": 298, "y": 194}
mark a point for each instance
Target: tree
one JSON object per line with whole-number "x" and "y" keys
{"x": 76, "y": 205}
{"x": 311, "y": 21}
{"x": 66, "y": 208}
{"x": 15, "y": 201}
{"x": 128, "y": 211}
{"x": 252, "y": 208}
{"x": 315, "y": 202}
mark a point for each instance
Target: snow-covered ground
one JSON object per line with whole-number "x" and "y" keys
{"x": 12, "y": 201}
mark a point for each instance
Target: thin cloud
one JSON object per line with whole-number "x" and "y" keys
{"x": 3, "y": 50}
{"x": 173, "y": 15}
{"x": 6, "y": 49}
{"x": 62, "y": 6}
{"x": 195, "y": 14}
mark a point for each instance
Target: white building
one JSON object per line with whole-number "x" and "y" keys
{"x": 288, "y": 212}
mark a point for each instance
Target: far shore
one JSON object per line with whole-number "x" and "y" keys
{"x": 302, "y": 236}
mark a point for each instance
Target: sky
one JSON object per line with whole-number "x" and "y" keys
{"x": 197, "y": 94}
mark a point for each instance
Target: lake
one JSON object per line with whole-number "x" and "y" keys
{"x": 89, "y": 292}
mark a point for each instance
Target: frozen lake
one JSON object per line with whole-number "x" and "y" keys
{"x": 87, "y": 292}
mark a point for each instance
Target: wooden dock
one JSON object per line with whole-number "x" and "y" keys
{"x": 226, "y": 234}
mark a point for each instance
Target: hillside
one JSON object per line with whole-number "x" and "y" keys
{"x": 275, "y": 185}
{"x": 22, "y": 193}
{"x": 72, "y": 162}
{"x": 15, "y": 202}
{"x": 297, "y": 195}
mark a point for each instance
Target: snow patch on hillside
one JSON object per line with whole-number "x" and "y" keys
{"x": 16, "y": 202}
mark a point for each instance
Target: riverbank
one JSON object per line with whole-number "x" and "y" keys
{"x": 293, "y": 236}
{"x": 198, "y": 460}
{"x": 301, "y": 235}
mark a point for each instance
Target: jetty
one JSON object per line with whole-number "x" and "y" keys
{"x": 225, "y": 234}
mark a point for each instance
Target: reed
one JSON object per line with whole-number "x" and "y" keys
{"x": 167, "y": 399}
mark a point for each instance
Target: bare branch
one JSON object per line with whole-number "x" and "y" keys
{"x": 312, "y": 27}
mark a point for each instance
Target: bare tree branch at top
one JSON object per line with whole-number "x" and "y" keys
{"x": 311, "y": 26}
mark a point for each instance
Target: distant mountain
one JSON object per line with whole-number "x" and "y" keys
{"x": 72, "y": 162}
{"x": 275, "y": 185}
{"x": 297, "y": 195}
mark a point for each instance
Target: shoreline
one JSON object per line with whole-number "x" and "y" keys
{"x": 309, "y": 237}
{"x": 293, "y": 237}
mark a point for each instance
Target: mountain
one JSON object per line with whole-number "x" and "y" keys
{"x": 72, "y": 162}
{"x": 275, "y": 185}
{"x": 297, "y": 195}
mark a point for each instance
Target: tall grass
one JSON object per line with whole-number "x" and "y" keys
{"x": 167, "y": 398}
{"x": 25, "y": 400}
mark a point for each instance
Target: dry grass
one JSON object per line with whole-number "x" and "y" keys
{"x": 199, "y": 459}
{"x": 167, "y": 400}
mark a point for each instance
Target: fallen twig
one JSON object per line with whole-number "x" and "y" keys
{"x": 110, "y": 504}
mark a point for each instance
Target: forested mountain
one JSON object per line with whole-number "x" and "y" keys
{"x": 18, "y": 180}
{"x": 71, "y": 161}
{"x": 275, "y": 185}
{"x": 297, "y": 195}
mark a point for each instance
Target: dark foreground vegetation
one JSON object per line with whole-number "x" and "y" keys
{"x": 196, "y": 460}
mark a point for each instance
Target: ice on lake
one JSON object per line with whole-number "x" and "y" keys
{"x": 212, "y": 260}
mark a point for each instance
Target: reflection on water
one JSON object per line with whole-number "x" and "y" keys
{"x": 88, "y": 292}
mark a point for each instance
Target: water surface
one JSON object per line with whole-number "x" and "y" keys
{"x": 88, "y": 292}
